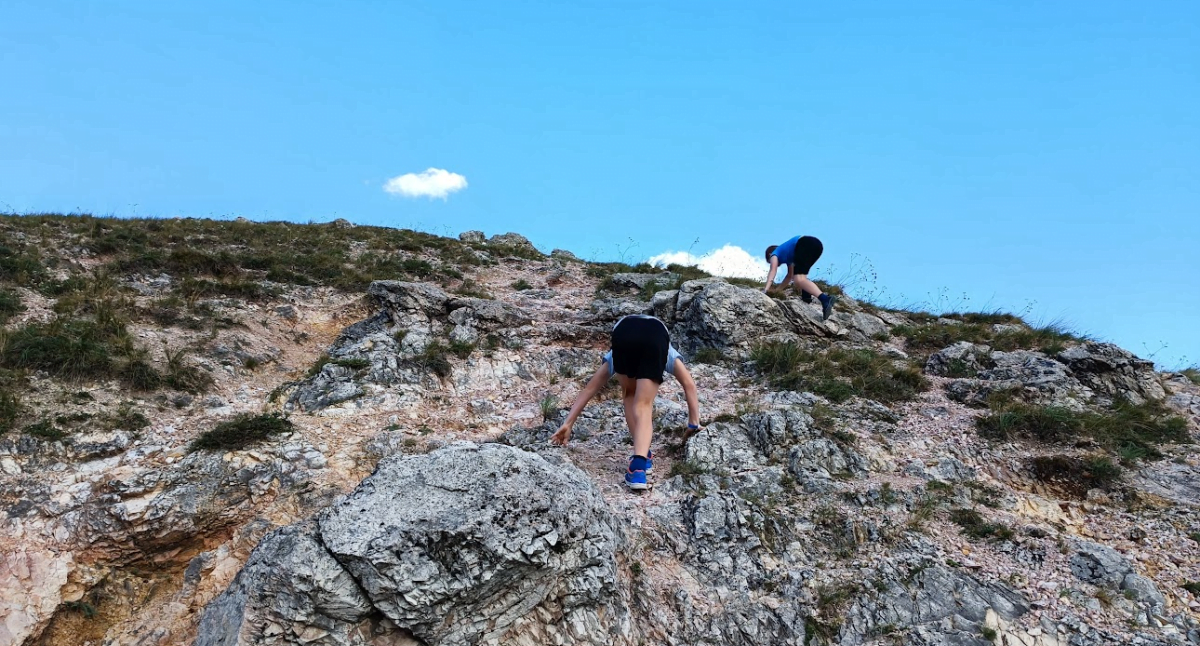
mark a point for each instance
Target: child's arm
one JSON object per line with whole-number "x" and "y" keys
{"x": 771, "y": 274}
{"x": 593, "y": 386}
{"x": 689, "y": 391}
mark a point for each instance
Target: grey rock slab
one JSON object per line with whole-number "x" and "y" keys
{"x": 289, "y": 578}
{"x": 468, "y": 539}
{"x": 1099, "y": 564}
{"x": 1114, "y": 372}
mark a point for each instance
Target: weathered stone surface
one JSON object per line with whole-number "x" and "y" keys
{"x": 711, "y": 313}
{"x": 290, "y": 578}
{"x": 456, "y": 547}
{"x": 1113, "y": 372}
{"x": 1099, "y": 564}
{"x": 472, "y": 236}
{"x": 942, "y": 605}
{"x": 721, "y": 448}
{"x": 563, "y": 254}
{"x": 629, "y": 281}
{"x": 513, "y": 240}
{"x": 944, "y": 469}
{"x": 963, "y": 359}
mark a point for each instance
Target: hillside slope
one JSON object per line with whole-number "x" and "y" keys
{"x": 884, "y": 477}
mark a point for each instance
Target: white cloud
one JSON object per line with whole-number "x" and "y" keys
{"x": 434, "y": 182}
{"x": 728, "y": 261}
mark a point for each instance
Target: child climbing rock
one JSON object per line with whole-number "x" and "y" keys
{"x": 641, "y": 352}
{"x": 799, "y": 254}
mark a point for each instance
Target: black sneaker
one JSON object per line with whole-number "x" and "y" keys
{"x": 805, "y": 296}
{"x": 827, "y": 308}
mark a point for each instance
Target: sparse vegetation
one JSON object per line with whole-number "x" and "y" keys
{"x": 549, "y": 406}
{"x": 978, "y": 327}
{"x": 1192, "y": 373}
{"x": 241, "y": 432}
{"x": 838, "y": 374}
{"x": 708, "y": 355}
{"x": 435, "y": 359}
{"x": 1133, "y": 430}
{"x": 521, "y": 285}
{"x": 10, "y": 305}
{"x": 1075, "y": 475}
{"x": 461, "y": 349}
{"x": 1193, "y": 587}
{"x": 974, "y": 526}
{"x": 45, "y": 430}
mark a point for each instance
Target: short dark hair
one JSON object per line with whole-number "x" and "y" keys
{"x": 770, "y": 250}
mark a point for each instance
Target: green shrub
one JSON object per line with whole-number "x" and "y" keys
{"x": 65, "y": 347}
{"x": 10, "y": 305}
{"x": 974, "y": 526}
{"x": 240, "y": 432}
{"x": 1134, "y": 430}
{"x": 1074, "y": 474}
{"x": 435, "y": 359}
{"x": 522, "y": 285}
{"x": 838, "y": 374}
{"x": 461, "y": 349}
{"x": 128, "y": 419}
{"x": 45, "y": 430}
{"x": 1193, "y": 374}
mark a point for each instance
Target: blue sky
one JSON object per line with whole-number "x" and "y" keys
{"x": 1020, "y": 155}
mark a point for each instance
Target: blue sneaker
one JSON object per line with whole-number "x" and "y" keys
{"x": 649, "y": 461}
{"x": 636, "y": 478}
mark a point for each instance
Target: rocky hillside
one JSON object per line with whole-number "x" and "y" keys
{"x": 237, "y": 432}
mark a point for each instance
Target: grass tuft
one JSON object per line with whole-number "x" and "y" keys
{"x": 1132, "y": 431}
{"x": 974, "y": 526}
{"x": 240, "y": 432}
{"x": 838, "y": 374}
{"x": 925, "y": 339}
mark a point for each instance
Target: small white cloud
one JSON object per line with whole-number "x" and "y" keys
{"x": 433, "y": 182}
{"x": 729, "y": 261}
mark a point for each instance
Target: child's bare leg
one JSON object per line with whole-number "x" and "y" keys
{"x": 628, "y": 388}
{"x": 802, "y": 283}
{"x": 641, "y": 426}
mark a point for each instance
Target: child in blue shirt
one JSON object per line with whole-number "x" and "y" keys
{"x": 799, "y": 254}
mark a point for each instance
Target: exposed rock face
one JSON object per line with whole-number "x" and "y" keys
{"x": 472, "y": 236}
{"x": 962, "y": 359}
{"x": 456, "y": 546}
{"x": 945, "y": 606}
{"x": 623, "y": 281}
{"x": 714, "y": 314}
{"x": 1113, "y": 372}
{"x": 411, "y": 317}
{"x": 513, "y": 240}
{"x": 1099, "y": 564}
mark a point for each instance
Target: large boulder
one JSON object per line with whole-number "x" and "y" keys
{"x": 463, "y": 545}
{"x": 711, "y": 313}
{"x": 1113, "y": 372}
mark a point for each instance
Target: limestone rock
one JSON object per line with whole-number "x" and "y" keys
{"x": 1113, "y": 372}
{"x": 1099, "y": 564}
{"x": 711, "y": 313}
{"x": 963, "y": 359}
{"x": 456, "y": 547}
{"x": 472, "y": 236}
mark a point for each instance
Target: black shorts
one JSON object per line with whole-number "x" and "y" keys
{"x": 639, "y": 347}
{"x": 808, "y": 250}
